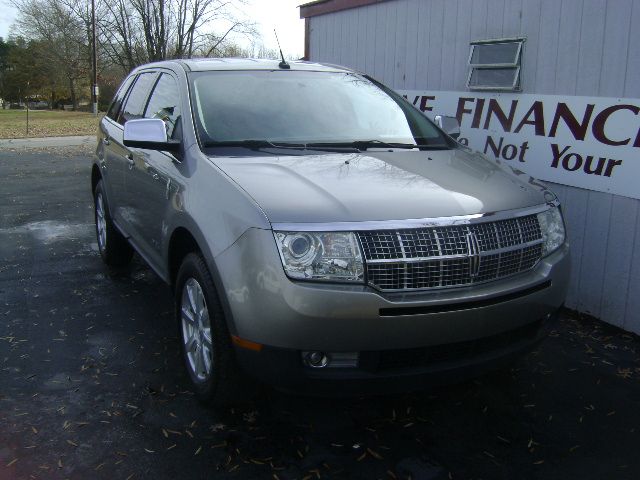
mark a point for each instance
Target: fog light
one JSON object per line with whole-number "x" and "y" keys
{"x": 315, "y": 359}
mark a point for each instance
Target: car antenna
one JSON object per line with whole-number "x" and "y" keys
{"x": 283, "y": 63}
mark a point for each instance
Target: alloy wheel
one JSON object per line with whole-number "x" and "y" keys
{"x": 101, "y": 223}
{"x": 196, "y": 329}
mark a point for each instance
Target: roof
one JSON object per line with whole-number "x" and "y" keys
{"x": 320, "y": 7}
{"x": 207, "y": 64}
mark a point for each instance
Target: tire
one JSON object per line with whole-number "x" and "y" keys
{"x": 204, "y": 338}
{"x": 114, "y": 248}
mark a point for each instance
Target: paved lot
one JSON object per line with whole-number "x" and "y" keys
{"x": 91, "y": 385}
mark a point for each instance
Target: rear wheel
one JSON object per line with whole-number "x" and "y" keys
{"x": 114, "y": 248}
{"x": 204, "y": 338}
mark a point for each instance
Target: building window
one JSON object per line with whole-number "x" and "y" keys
{"x": 495, "y": 65}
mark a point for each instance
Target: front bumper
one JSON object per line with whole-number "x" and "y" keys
{"x": 286, "y": 317}
{"x": 394, "y": 371}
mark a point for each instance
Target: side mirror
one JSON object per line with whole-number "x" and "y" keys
{"x": 149, "y": 133}
{"x": 449, "y": 125}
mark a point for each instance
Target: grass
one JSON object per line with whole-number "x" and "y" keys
{"x": 46, "y": 123}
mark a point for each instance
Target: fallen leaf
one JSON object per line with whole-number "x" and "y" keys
{"x": 374, "y": 454}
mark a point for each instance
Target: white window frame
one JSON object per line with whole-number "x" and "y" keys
{"x": 515, "y": 65}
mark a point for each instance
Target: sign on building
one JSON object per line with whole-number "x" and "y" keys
{"x": 587, "y": 142}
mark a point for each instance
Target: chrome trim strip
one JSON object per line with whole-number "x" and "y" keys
{"x": 411, "y": 223}
{"x": 483, "y": 253}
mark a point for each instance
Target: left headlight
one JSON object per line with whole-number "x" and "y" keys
{"x": 330, "y": 256}
{"x": 552, "y": 227}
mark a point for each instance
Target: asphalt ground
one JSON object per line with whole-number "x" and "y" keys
{"x": 91, "y": 382}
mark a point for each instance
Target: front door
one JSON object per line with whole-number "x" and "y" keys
{"x": 154, "y": 179}
{"x": 133, "y": 108}
{"x": 111, "y": 152}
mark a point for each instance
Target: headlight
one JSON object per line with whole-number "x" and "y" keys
{"x": 552, "y": 228}
{"x": 332, "y": 256}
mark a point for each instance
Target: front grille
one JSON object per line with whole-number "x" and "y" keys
{"x": 450, "y": 256}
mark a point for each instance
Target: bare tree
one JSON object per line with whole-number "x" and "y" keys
{"x": 130, "y": 32}
{"x": 140, "y": 31}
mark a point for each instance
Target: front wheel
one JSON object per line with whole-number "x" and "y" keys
{"x": 204, "y": 338}
{"x": 114, "y": 248}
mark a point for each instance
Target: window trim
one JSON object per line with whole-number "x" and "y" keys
{"x": 173, "y": 76}
{"x": 138, "y": 75}
{"x": 516, "y": 65}
{"x": 125, "y": 94}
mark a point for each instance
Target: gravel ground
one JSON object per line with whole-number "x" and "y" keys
{"x": 91, "y": 384}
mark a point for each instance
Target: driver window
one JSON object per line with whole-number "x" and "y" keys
{"x": 165, "y": 105}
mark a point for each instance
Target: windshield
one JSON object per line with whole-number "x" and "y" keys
{"x": 304, "y": 107}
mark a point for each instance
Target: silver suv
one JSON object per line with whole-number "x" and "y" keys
{"x": 320, "y": 232}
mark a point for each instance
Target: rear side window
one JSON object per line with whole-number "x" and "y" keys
{"x": 137, "y": 99}
{"x": 165, "y": 105}
{"x": 114, "y": 109}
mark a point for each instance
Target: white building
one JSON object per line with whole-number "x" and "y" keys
{"x": 552, "y": 86}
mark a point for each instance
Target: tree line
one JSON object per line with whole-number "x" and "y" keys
{"x": 49, "y": 54}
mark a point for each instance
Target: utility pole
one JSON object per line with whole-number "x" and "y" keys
{"x": 94, "y": 60}
{"x": 27, "y": 108}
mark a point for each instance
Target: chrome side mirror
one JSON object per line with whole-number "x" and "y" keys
{"x": 449, "y": 125}
{"x": 148, "y": 133}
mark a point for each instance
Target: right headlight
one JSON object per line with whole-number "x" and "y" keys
{"x": 328, "y": 256}
{"x": 552, "y": 228}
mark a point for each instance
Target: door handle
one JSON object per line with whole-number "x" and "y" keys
{"x": 130, "y": 161}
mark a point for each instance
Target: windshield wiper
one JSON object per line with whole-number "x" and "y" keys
{"x": 358, "y": 145}
{"x": 259, "y": 144}
{"x": 367, "y": 144}
{"x": 363, "y": 144}
{"x": 253, "y": 144}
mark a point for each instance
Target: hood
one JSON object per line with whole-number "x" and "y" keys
{"x": 380, "y": 185}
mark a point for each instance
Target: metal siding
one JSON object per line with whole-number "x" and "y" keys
{"x": 380, "y": 41}
{"x": 390, "y": 44}
{"x": 512, "y": 19}
{"x": 411, "y": 54}
{"x": 449, "y": 33}
{"x": 436, "y": 18}
{"x": 631, "y": 84}
{"x": 463, "y": 37}
{"x": 423, "y": 42}
{"x": 547, "y": 52}
{"x": 400, "y": 74}
{"x": 632, "y": 254}
{"x": 573, "y": 47}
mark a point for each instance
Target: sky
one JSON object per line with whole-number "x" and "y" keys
{"x": 283, "y": 15}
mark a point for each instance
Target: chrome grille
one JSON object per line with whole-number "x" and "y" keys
{"x": 450, "y": 256}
